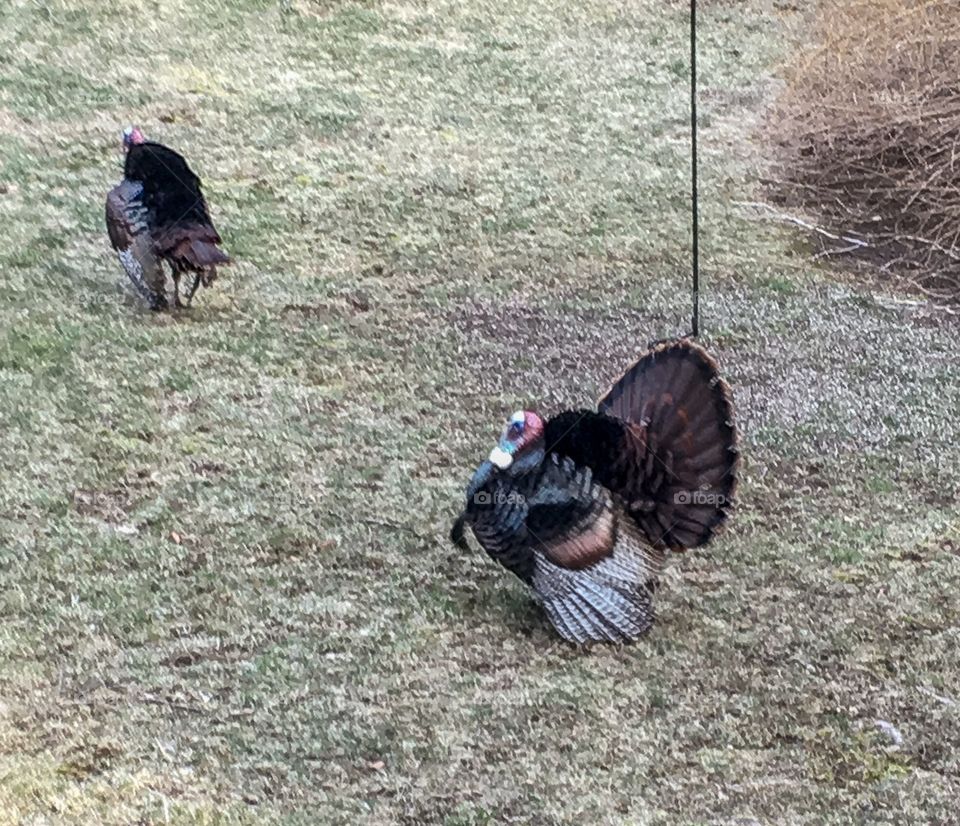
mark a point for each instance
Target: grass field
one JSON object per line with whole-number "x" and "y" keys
{"x": 226, "y": 594}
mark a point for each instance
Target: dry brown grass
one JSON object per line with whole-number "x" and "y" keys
{"x": 869, "y": 131}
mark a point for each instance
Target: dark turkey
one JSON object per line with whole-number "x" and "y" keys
{"x": 158, "y": 213}
{"x": 583, "y": 507}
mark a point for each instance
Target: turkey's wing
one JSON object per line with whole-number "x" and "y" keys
{"x": 127, "y": 226}
{"x": 570, "y": 518}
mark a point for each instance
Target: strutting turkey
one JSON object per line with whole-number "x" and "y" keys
{"x": 584, "y": 506}
{"x": 158, "y": 213}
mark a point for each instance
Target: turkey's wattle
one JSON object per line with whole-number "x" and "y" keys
{"x": 158, "y": 213}
{"x": 585, "y": 511}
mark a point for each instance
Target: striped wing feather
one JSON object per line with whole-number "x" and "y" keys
{"x": 593, "y": 571}
{"x": 129, "y": 233}
{"x": 570, "y": 520}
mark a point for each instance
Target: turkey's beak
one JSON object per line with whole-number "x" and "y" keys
{"x": 500, "y": 458}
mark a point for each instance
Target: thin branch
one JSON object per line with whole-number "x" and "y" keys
{"x": 793, "y": 219}
{"x": 837, "y": 251}
{"x": 947, "y": 701}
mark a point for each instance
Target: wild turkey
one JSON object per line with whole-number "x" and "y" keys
{"x": 584, "y": 506}
{"x": 158, "y": 213}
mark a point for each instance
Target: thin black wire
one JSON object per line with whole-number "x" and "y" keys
{"x": 695, "y": 207}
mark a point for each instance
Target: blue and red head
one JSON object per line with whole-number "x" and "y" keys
{"x": 520, "y": 450}
{"x": 132, "y": 136}
{"x": 523, "y": 431}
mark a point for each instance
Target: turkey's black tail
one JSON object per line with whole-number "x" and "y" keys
{"x": 684, "y": 438}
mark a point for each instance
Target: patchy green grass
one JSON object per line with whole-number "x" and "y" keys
{"x": 225, "y": 590}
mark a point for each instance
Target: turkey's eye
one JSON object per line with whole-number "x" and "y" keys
{"x": 515, "y": 431}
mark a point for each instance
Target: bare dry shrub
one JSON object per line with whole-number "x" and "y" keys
{"x": 868, "y": 130}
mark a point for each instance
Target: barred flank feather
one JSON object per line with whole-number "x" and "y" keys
{"x": 584, "y": 610}
{"x": 129, "y": 231}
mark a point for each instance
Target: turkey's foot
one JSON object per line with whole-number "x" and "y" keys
{"x": 157, "y": 302}
{"x": 176, "y": 290}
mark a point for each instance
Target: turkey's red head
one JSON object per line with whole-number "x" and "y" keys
{"x": 524, "y": 430}
{"x": 132, "y": 136}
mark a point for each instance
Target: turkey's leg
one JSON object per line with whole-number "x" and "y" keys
{"x": 176, "y": 289}
{"x": 193, "y": 289}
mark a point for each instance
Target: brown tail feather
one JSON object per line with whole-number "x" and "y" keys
{"x": 191, "y": 247}
{"x": 683, "y": 411}
{"x": 199, "y": 253}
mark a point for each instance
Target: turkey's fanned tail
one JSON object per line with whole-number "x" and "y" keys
{"x": 663, "y": 441}
{"x": 681, "y": 417}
